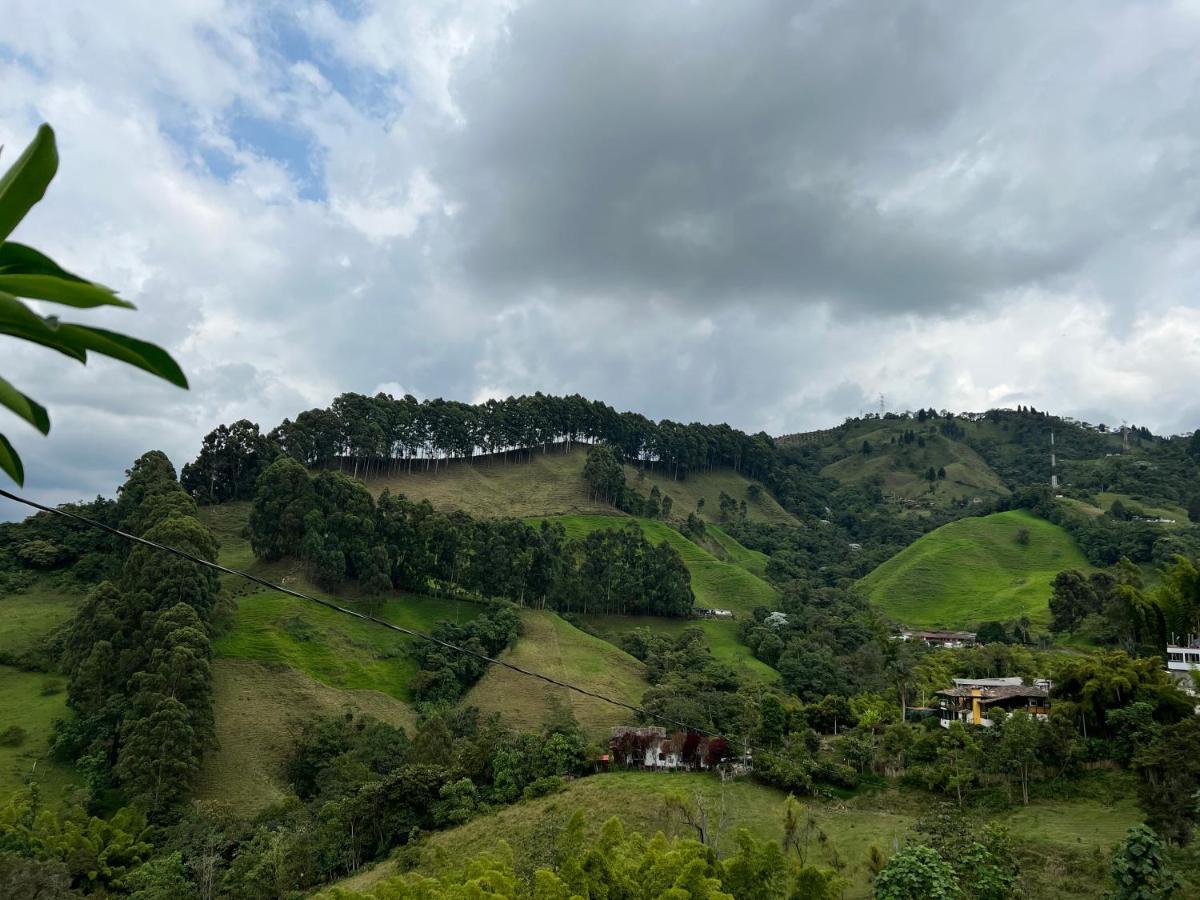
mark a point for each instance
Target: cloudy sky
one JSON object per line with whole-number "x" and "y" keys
{"x": 755, "y": 212}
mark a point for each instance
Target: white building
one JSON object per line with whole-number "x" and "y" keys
{"x": 1183, "y": 658}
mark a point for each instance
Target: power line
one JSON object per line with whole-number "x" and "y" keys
{"x": 328, "y": 604}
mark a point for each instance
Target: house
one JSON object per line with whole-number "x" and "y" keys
{"x": 950, "y": 639}
{"x": 776, "y": 619}
{"x": 1183, "y": 657}
{"x": 972, "y": 700}
{"x": 650, "y": 747}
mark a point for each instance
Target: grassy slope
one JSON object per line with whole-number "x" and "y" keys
{"x": 719, "y": 583}
{"x": 900, "y": 467}
{"x": 553, "y": 647}
{"x": 973, "y": 570}
{"x": 548, "y": 484}
{"x": 686, "y": 494}
{"x": 716, "y": 583}
{"x": 333, "y": 648}
{"x": 29, "y": 616}
{"x": 850, "y": 827}
{"x": 256, "y": 707}
{"x": 721, "y": 635}
{"x": 551, "y": 484}
{"x": 1162, "y": 511}
{"x": 33, "y": 701}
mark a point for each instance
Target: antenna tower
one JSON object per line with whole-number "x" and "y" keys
{"x": 881, "y": 406}
{"x": 1053, "y": 464}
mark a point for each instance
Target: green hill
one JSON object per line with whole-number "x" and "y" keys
{"x": 1047, "y": 831}
{"x": 975, "y": 570}
{"x": 553, "y": 647}
{"x": 716, "y": 583}
{"x": 551, "y": 484}
{"x": 899, "y": 468}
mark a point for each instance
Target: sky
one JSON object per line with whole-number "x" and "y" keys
{"x": 765, "y": 213}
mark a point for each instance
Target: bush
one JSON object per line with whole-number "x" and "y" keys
{"x": 13, "y": 736}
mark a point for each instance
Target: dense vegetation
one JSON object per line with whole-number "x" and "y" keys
{"x": 332, "y": 521}
{"x": 138, "y": 653}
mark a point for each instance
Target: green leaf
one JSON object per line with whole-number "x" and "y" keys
{"x": 25, "y": 183}
{"x": 80, "y": 294}
{"x": 142, "y": 354}
{"x": 24, "y": 406}
{"x": 10, "y": 462}
{"x": 18, "y": 259}
{"x": 20, "y": 321}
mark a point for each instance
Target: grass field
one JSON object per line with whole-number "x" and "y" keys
{"x": 721, "y": 636}
{"x": 32, "y": 701}
{"x": 846, "y": 829}
{"x": 900, "y": 468}
{"x": 707, "y": 486}
{"x": 29, "y": 616}
{"x": 548, "y": 484}
{"x": 974, "y": 570}
{"x": 716, "y": 583}
{"x": 553, "y": 647}
{"x": 1149, "y": 508}
{"x": 257, "y": 708}
{"x": 551, "y": 484}
{"x": 335, "y": 649}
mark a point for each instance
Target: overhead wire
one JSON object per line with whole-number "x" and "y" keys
{"x": 328, "y": 604}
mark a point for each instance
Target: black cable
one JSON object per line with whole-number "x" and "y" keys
{"x": 346, "y": 611}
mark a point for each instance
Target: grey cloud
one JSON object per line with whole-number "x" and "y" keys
{"x": 908, "y": 157}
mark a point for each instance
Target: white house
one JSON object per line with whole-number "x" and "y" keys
{"x": 1181, "y": 658}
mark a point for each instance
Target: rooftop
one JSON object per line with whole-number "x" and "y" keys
{"x": 997, "y": 692}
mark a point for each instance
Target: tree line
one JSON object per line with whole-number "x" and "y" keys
{"x": 331, "y": 521}
{"x": 382, "y": 434}
{"x": 138, "y": 653}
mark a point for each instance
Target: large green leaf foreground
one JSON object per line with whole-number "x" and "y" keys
{"x": 30, "y": 274}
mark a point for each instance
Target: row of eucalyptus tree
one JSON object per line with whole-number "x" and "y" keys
{"x": 384, "y": 434}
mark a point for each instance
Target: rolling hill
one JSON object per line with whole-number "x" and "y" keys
{"x": 1049, "y": 832}
{"x": 551, "y": 484}
{"x": 553, "y": 647}
{"x": 975, "y": 570}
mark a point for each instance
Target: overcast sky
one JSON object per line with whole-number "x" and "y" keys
{"x": 754, "y": 212}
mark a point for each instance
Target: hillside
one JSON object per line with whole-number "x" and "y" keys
{"x": 975, "y": 570}
{"x": 1055, "y": 832}
{"x": 553, "y": 647}
{"x": 551, "y": 484}
{"x": 895, "y": 454}
{"x": 257, "y": 707}
{"x": 717, "y": 583}
{"x": 32, "y": 701}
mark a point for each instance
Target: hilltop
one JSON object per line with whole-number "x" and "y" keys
{"x": 991, "y": 568}
{"x": 551, "y": 483}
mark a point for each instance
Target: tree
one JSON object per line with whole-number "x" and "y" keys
{"x": 1139, "y": 868}
{"x": 958, "y": 754}
{"x": 917, "y": 873}
{"x": 1017, "y": 749}
{"x": 25, "y": 272}
{"x": 283, "y": 497}
{"x": 158, "y": 758}
{"x": 992, "y": 633}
